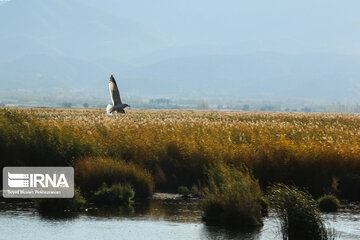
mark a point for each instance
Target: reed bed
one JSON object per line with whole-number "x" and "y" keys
{"x": 312, "y": 150}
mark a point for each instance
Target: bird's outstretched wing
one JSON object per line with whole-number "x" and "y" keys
{"x": 114, "y": 91}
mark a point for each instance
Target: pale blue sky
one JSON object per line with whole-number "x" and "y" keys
{"x": 325, "y": 26}
{"x": 278, "y": 25}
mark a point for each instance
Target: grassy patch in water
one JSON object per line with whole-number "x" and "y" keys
{"x": 233, "y": 199}
{"x": 92, "y": 173}
{"x": 329, "y": 203}
{"x": 299, "y": 215}
{"x": 114, "y": 195}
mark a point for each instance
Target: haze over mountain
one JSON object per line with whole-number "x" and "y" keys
{"x": 212, "y": 49}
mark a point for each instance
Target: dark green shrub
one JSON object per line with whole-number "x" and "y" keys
{"x": 92, "y": 173}
{"x": 329, "y": 203}
{"x": 114, "y": 195}
{"x": 196, "y": 191}
{"x": 299, "y": 215}
{"x": 233, "y": 199}
{"x": 60, "y": 204}
{"x": 183, "y": 190}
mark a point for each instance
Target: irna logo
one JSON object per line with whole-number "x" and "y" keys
{"x": 18, "y": 180}
{"x": 38, "y": 182}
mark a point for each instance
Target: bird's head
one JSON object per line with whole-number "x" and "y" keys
{"x": 127, "y": 105}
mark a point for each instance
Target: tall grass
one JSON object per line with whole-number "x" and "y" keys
{"x": 177, "y": 147}
{"x": 233, "y": 199}
{"x": 299, "y": 215}
{"x": 93, "y": 173}
{"x": 30, "y": 141}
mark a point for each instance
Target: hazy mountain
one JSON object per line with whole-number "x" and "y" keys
{"x": 233, "y": 49}
{"x": 44, "y": 71}
{"x": 252, "y": 75}
{"x": 260, "y": 75}
{"x": 64, "y": 27}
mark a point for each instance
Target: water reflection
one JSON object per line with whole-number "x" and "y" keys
{"x": 59, "y": 216}
{"x": 218, "y": 233}
{"x": 346, "y": 221}
{"x": 155, "y": 209}
{"x": 153, "y": 219}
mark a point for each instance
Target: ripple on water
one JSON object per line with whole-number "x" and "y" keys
{"x": 155, "y": 219}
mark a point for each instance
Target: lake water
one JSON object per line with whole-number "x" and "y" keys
{"x": 156, "y": 219}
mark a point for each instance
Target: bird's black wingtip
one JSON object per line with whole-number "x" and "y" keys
{"x": 112, "y": 79}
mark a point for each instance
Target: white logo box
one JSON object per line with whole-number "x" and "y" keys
{"x": 38, "y": 182}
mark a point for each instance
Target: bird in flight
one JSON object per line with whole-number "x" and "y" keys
{"x": 117, "y": 106}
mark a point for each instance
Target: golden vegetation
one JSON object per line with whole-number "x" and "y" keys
{"x": 233, "y": 198}
{"x": 92, "y": 173}
{"x": 177, "y": 147}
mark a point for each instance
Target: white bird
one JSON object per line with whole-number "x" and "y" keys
{"x": 117, "y": 106}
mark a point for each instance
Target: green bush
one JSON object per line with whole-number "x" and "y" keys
{"x": 233, "y": 199}
{"x": 92, "y": 173}
{"x": 60, "y": 204}
{"x": 183, "y": 190}
{"x": 329, "y": 203}
{"x": 299, "y": 215}
{"x": 196, "y": 191}
{"x": 114, "y": 195}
